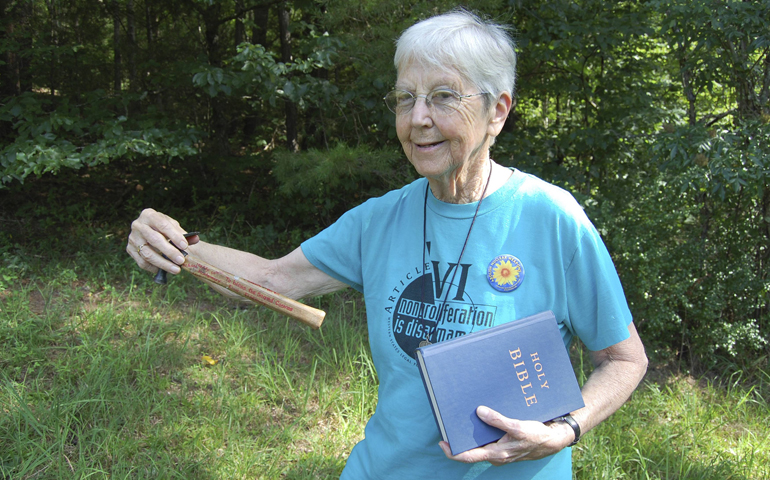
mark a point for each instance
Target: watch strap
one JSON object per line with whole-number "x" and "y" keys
{"x": 575, "y": 427}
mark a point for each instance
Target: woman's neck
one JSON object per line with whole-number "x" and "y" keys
{"x": 470, "y": 187}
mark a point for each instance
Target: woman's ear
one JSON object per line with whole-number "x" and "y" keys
{"x": 500, "y": 111}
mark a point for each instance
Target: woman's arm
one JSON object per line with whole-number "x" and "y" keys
{"x": 293, "y": 275}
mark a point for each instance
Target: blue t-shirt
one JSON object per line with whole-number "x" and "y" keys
{"x": 377, "y": 248}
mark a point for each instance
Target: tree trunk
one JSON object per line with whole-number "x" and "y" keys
{"x": 14, "y": 64}
{"x": 258, "y": 36}
{"x": 117, "y": 67}
{"x": 15, "y": 21}
{"x": 151, "y": 32}
{"x": 10, "y": 72}
{"x": 53, "y": 64}
{"x": 131, "y": 25}
{"x": 212, "y": 21}
{"x": 259, "y": 31}
{"x": 291, "y": 107}
{"x": 239, "y": 29}
{"x": 149, "y": 28}
{"x": 764, "y": 95}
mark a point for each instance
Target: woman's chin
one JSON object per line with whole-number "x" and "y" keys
{"x": 431, "y": 170}
{"x": 431, "y": 165}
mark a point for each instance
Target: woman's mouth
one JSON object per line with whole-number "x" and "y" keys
{"x": 427, "y": 146}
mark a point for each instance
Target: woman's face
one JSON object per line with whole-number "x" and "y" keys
{"x": 443, "y": 144}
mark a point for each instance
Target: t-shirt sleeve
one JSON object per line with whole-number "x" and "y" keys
{"x": 336, "y": 250}
{"x": 598, "y": 311}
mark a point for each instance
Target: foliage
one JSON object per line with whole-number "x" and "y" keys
{"x": 63, "y": 122}
{"x": 255, "y": 74}
{"x": 714, "y": 178}
{"x": 320, "y": 185}
{"x": 709, "y": 288}
{"x": 653, "y": 113}
{"x": 51, "y": 135}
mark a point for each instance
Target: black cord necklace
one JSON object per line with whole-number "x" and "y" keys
{"x": 426, "y": 341}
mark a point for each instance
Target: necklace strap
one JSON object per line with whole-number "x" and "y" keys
{"x": 430, "y": 333}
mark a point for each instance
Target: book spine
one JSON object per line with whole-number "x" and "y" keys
{"x": 429, "y": 391}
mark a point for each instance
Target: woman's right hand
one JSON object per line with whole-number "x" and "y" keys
{"x": 149, "y": 240}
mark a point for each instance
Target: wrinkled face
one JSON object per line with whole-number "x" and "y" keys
{"x": 436, "y": 143}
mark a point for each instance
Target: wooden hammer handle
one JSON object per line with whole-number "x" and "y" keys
{"x": 257, "y": 293}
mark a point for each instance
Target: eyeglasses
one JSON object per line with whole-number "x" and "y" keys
{"x": 445, "y": 100}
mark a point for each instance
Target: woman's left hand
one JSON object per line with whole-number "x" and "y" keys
{"x": 523, "y": 440}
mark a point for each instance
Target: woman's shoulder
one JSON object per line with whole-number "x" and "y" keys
{"x": 552, "y": 207}
{"x": 548, "y": 196}
{"x": 410, "y": 192}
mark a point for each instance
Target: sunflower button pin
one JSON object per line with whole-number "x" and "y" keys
{"x": 505, "y": 273}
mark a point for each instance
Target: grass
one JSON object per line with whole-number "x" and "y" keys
{"x": 683, "y": 429}
{"x": 111, "y": 383}
{"x": 102, "y": 375}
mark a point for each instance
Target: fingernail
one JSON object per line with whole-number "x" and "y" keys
{"x": 179, "y": 259}
{"x": 183, "y": 245}
{"x": 482, "y": 411}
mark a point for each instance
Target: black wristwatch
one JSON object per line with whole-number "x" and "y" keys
{"x": 575, "y": 427}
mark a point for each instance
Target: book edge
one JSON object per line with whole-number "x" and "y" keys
{"x": 474, "y": 337}
{"x": 431, "y": 396}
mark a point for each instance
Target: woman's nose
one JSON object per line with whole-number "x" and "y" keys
{"x": 421, "y": 113}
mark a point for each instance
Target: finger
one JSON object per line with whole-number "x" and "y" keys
{"x": 448, "y": 452}
{"x": 161, "y": 261}
{"x": 495, "y": 453}
{"x": 132, "y": 250}
{"x": 140, "y": 248}
{"x": 141, "y": 262}
{"x": 148, "y": 259}
{"x": 147, "y": 234}
{"x": 480, "y": 454}
{"x": 496, "y": 419}
{"x": 166, "y": 226}
{"x": 445, "y": 448}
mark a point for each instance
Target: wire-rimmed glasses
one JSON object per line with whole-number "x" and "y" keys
{"x": 444, "y": 100}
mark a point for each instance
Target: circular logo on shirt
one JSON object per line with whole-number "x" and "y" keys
{"x": 505, "y": 273}
{"x": 416, "y": 315}
{"x": 434, "y": 307}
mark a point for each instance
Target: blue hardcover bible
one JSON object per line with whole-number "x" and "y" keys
{"x": 520, "y": 368}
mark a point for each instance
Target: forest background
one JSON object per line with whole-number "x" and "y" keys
{"x": 260, "y": 122}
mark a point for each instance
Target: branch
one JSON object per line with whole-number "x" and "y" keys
{"x": 253, "y": 7}
{"x": 759, "y": 59}
{"x": 718, "y": 117}
{"x": 765, "y": 92}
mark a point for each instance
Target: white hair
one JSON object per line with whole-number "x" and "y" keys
{"x": 481, "y": 51}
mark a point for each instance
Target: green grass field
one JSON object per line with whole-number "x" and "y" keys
{"x": 103, "y": 375}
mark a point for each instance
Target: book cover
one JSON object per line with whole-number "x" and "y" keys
{"x": 520, "y": 368}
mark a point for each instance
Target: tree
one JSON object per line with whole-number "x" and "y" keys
{"x": 654, "y": 113}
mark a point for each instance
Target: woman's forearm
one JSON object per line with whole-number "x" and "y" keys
{"x": 292, "y": 275}
{"x": 617, "y": 372}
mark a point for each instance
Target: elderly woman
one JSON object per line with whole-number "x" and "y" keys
{"x": 432, "y": 242}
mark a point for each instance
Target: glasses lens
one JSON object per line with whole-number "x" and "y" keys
{"x": 446, "y": 100}
{"x": 399, "y": 101}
